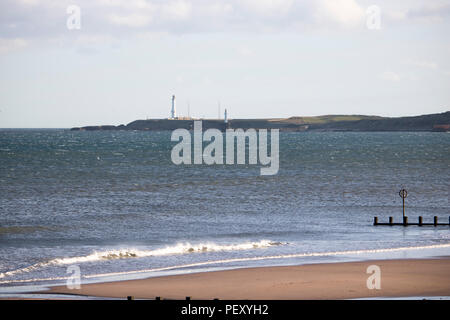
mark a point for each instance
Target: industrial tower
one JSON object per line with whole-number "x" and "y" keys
{"x": 173, "y": 112}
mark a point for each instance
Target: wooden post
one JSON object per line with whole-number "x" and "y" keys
{"x": 403, "y": 207}
{"x": 403, "y": 194}
{"x": 375, "y": 221}
{"x": 405, "y": 221}
{"x": 435, "y": 221}
{"x": 391, "y": 221}
{"x": 420, "y": 221}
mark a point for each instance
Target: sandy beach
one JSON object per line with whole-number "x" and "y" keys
{"x": 399, "y": 278}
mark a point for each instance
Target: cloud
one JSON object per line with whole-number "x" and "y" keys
{"x": 390, "y": 76}
{"x": 215, "y": 9}
{"x": 41, "y": 20}
{"x": 245, "y": 51}
{"x": 267, "y": 7}
{"x": 422, "y": 64}
{"x": 8, "y": 45}
{"x": 130, "y": 20}
{"x": 125, "y": 4}
{"x": 346, "y": 13}
{"x": 29, "y": 2}
{"x": 177, "y": 10}
{"x": 430, "y": 12}
{"x": 179, "y": 79}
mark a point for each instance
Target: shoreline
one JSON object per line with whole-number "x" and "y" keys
{"x": 354, "y": 123}
{"x": 343, "y": 280}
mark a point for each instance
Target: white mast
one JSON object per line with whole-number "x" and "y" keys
{"x": 189, "y": 110}
{"x": 173, "y": 112}
{"x": 225, "y": 116}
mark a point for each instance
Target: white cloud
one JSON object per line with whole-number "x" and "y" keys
{"x": 129, "y": 4}
{"x": 267, "y": 7}
{"x": 29, "y": 2}
{"x": 42, "y": 19}
{"x": 215, "y": 9}
{"x": 394, "y": 15}
{"x": 131, "y": 20}
{"x": 245, "y": 51}
{"x": 345, "y": 13}
{"x": 431, "y": 12}
{"x": 8, "y": 45}
{"x": 179, "y": 79}
{"x": 390, "y": 76}
{"x": 422, "y": 64}
{"x": 428, "y": 12}
{"x": 177, "y": 10}
{"x": 92, "y": 40}
{"x": 207, "y": 81}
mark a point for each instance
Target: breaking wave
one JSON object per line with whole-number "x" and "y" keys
{"x": 232, "y": 260}
{"x": 180, "y": 248}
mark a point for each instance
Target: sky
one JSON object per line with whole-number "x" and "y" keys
{"x": 115, "y": 61}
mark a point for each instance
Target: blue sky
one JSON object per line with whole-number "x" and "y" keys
{"x": 259, "y": 58}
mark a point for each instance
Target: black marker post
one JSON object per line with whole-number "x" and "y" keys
{"x": 403, "y": 194}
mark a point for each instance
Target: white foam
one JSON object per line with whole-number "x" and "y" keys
{"x": 225, "y": 261}
{"x": 285, "y": 256}
{"x": 179, "y": 248}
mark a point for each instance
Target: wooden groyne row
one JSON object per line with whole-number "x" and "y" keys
{"x": 159, "y": 298}
{"x": 405, "y": 222}
{"x": 403, "y": 193}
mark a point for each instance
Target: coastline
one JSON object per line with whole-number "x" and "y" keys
{"x": 344, "y": 280}
{"x": 358, "y": 123}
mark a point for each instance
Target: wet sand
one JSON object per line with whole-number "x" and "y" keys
{"x": 399, "y": 278}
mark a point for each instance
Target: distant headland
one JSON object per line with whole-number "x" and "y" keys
{"x": 429, "y": 122}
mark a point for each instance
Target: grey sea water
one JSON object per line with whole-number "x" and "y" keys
{"x": 114, "y": 204}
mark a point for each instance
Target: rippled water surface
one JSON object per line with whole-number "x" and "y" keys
{"x": 114, "y": 203}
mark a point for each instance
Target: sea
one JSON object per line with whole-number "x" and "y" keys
{"x": 112, "y": 205}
